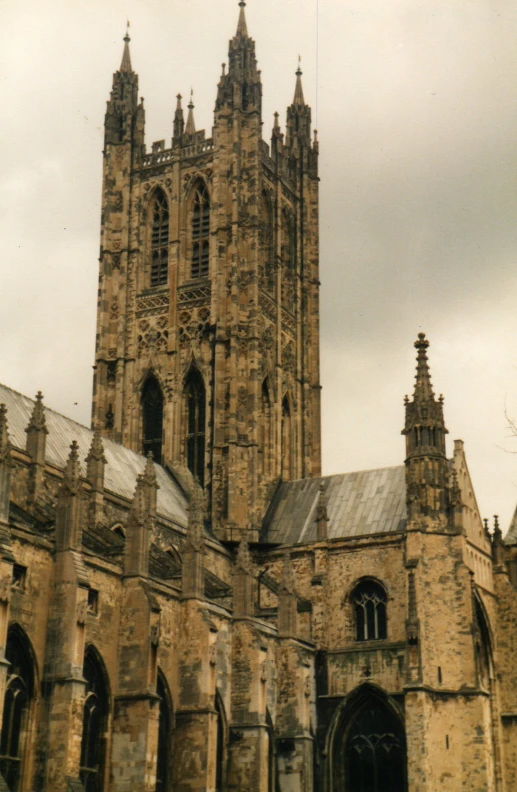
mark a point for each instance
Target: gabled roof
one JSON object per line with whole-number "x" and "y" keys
{"x": 358, "y": 504}
{"x": 123, "y": 466}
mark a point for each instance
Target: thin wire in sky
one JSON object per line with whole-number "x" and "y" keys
{"x": 317, "y": 57}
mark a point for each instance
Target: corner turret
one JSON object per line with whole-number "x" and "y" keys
{"x": 125, "y": 119}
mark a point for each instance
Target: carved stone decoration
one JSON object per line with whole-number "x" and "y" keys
{"x": 153, "y": 335}
{"x": 114, "y": 309}
{"x": 155, "y": 635}
{"x": 81, "y": 611}
{"x": 213, "y": 655}
{"x": 288, "y": 358}
{"x": 242, "y": 405}
{"x": 5, "y": 589}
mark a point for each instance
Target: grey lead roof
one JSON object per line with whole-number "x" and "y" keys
{"x": 358, "y": 504}
{"x": 123, "y": 466}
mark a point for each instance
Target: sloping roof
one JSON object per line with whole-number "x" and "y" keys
{"x": 358, "y": 504}
{"x": 511, "y": 535}
{"x": 123, "y": 466}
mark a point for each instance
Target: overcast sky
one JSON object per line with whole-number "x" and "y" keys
{"x": 416, "y": 106}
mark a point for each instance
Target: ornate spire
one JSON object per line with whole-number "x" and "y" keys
{"x": 179, "y": 121}
{"x": 242, "y": 28}
{"x": 190, "y": 128}
{"x": 298, "y": 92}
{"x": 72, "y": 477}
{"x": 5, "y": 445}
{"x": 37, "y": 419}
{"x": 423, "y": 387}
{"x": 125, "y": 66}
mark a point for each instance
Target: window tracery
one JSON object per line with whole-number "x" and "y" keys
{"x": 160, "y": 240}
{"x": 200, "y": 264}
{"x": 369, "y": 603}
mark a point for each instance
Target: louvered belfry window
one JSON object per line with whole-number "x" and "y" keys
{"x": 196, "y": 417}
{"x": 15, "y": 726}
{"x": 200, "y": 233}
{"x": 160, "y": 241}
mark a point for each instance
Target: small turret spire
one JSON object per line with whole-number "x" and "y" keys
{"x": 298, "y": 92}
{"x": 190, "y": 128}
{"x": 125, "y": 66}
{"x": 423, "y": 387}
{"x": 242, "y": 28}
{"x": 179, "y": 121}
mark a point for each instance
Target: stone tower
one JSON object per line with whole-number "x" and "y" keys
{"x": 207, "y": 351}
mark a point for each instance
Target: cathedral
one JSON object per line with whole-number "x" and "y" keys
{"x": 186, "y": 603}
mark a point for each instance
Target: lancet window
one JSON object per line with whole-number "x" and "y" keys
{"x": 287, "y": 441}
{"x": 17, "y": 708}
{"x": 152, "y": 419}
{"x": 200, "y": 233}
{"x": 369, "y": 603}
{"x": 160, "y": 240}
{"x": 220, "y": 757}
{"x": 195, "y": 407}
{"x": 95, "y": 714}
{"x": 165, "y": 725}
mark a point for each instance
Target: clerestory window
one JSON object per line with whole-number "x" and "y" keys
{"x": 160, "y": 240}
{"x": 200, "y": 264}
{"x": 369, "y": 603}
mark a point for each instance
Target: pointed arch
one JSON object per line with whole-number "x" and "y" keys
{"x": 159, "y": 228}
{"x": 221, "y": 747}
{"x": 369, "y": 602}
{"x": 368, "y": 745}
{"x": 194, "y": 398}
{"x": 483, "y": 644}
{"x": 18, "y": 707}
{"x": 200, "y": 230}
{"x": 152, "y": 403}
{"x": 96, "y": 710}
{"x": 287, "y": 440}
{"x": 165, "y": 732}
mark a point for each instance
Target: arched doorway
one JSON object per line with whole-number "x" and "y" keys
{"x": 369, "y": 752}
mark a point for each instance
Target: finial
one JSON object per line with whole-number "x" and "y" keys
{"x": 37, "y": 419}
{"x": 299, "y": 69}
{"x": 125, "y": 66}
{"x": 190, "y": 128}
{"x": 423, "y": 387}
{"x": 138, "y": 506}
{"x": 126, "y": 37}
{"x": 150, "y": 471}
{"x": 96, "y": 449}
{"x": 179, "y": 98}
{"x": 223, "y": 66}
{"x": 72, "y": 468}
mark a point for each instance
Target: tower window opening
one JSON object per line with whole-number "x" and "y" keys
{"x": 195, "y": 398}
{"x": 369, "y": 602}
{"x": 160, "y": 241}
{"x": 200, "y": 233}
{"x": 152, "y": 417}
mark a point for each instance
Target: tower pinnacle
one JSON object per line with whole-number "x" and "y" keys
{"x": 298, "y": 93}
{"x": 190, "y": 128}
{"x": 242, "y": 28}
{"x": 125, "y": 66}
{"x": 423, "y": 387}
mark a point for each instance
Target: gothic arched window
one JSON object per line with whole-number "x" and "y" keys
{"x": 95, "y": 714}
{"x": 266, "y": 433}
{"x": 200, "y": 233}
{"x": 152, "y": 419}
{"x": 17, "y": 703}
{"x": 369, "y": 602}
{"x": 220, "y": 748}
{"x": 160, "y": 240}
{"x": 195, "y": 405}
{"x": 165, "y": 725}
{"x": 374, "y": 754}
{"x": 287, "y": 441}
